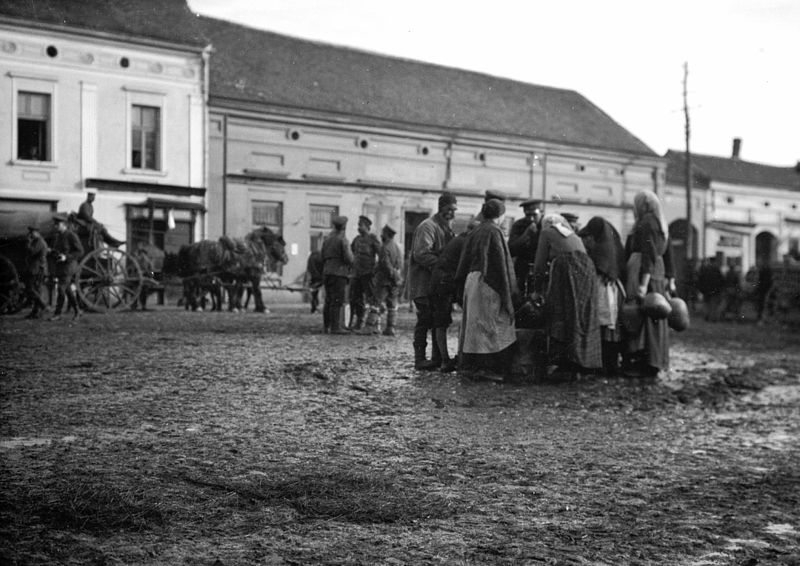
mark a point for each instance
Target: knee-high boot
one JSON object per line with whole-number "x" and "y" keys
{"x": 391, "y": 320}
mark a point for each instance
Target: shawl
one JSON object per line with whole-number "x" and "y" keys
{"x": 604, "y": 246}
{"x": 486, "y": 251}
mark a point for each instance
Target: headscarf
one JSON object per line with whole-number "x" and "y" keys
{"x": 646, "y": 202}
{"x": 559, "y": 222}
{"x": 604, "y": 245}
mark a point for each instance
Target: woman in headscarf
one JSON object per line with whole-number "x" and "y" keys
{"x": 604, "y": 246}
{"x": 649, "y": 268}
{"x": 486, "y": 273}
{"x": 564, "y": 276}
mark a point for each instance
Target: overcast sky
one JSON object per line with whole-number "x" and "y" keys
{"x": 626, "y": 56}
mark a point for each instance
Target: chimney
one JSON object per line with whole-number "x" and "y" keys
{"x": 737, "y": 146}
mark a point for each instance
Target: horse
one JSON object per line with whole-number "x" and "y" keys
{"x": 237, "y": 262}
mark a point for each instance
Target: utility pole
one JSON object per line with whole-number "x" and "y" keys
{"x": 687, "y": 172}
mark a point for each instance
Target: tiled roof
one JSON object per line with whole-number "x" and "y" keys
{"x": 163, "y": 20}
{"x": 251, "y": 66}
{"x": 259, "y": 66}
{"x": 708, "y": 168}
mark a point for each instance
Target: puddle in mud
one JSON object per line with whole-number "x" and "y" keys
{"x": 19, "y": 442}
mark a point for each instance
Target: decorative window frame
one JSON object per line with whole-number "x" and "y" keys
{"x": 156, "y": 99}
{"x": 43, "y": 85}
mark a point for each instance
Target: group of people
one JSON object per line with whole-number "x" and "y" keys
{"x": 579, "y": 278}
{"x": 370, "y": 269}
{"x": 65, "y": 249}
{"x": 725, "y": 293}
{"x": 60, "y": 257}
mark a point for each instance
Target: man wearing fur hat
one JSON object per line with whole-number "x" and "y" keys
{"x": 338, "y": 258}
{"x": 366, "y": 247}
{"x": 388, "y": 278}
{"x": 430, "y": 237}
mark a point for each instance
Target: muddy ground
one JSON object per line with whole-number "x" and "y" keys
{"x": 171, "y": 437}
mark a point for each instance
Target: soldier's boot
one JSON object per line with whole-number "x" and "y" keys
{"x": 337, "y": 319}
{"x": 357, "y": 319}
{"x": 448, "y": 364}
{"x": 436, "y": 353}
{"x": 326, "y": 318}
{"x": 420, "y": 346}
{"x": 391, "y": 319}
{"x": 372, "y": 324}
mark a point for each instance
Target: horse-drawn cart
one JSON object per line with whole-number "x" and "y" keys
{"x": 108, "y": 279}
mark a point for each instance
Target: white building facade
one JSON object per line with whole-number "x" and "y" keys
{"x": 123, "y": 117}
{"x": 743, "y": 211}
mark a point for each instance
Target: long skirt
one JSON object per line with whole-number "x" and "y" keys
{"x": 485, "y": 328}
{"x": 651, "y": 344}
{"x": 572, "y": 319}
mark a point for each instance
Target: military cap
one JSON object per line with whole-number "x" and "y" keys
{"x": 497, "y": 195}
{"x": 59, "y": 217}
{"x": 569, "y": 216}
{"x": 447, "y": 199}
{"x": 531, "y": 202}
{"x": 33, "y": 229}
{"x": 365, "y": 220}
{"x": 389, "y": 231}
{"x": 339, "y": 221}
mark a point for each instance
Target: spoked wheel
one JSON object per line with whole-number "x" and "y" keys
{"x": 12, "y": 297}
{"x": 109, "y": 280}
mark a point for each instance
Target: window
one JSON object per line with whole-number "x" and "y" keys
{"x": 269, "y": 214}
{"x": 321, "y": 222}
{"x": 33, "y": 126}
{"x": 145, "y": 137}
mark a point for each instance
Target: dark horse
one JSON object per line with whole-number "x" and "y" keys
{"x": 236, "y": 262}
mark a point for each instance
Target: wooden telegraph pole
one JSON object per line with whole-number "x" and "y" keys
{"x": 688, "y": 173}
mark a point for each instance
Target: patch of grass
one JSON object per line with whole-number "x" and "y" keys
{"x": 92, "y": 506}
{"x": 342, "y": 495}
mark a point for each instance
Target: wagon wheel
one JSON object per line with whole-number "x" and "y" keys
{"x": 108, "y": 280}
{"x": 12, "y": 298}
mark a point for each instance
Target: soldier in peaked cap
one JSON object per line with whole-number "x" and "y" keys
{"x": 496, "y": 195}
{"x": 523, "y": 239}
{"x": 572, "y": 219}
{"x": 365, "y": 248}
{"x": 337, "y": 258}
{"x": 67, "y": 250}
{"x": 388, "y": 278}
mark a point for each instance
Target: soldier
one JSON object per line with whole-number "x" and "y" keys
{"x": 366, "y": 247}
{"x": 86, "y": 215}
{"x": 338, "y": 258}
{"x": 522, "y": 242}
{"x": 313, "y": 278}
{"x": 67, "y": 250}
{"x": 146, "y": 265}
{"x": 36, "y": 270}
{"x": 572, "y": 219}
{"x": 388, "y": 278}
{"x": 430, "y": 237}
